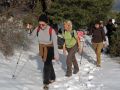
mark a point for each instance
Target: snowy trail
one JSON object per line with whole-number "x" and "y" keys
{"x": 30, "y": 78}
{"x": 108, "y": 78}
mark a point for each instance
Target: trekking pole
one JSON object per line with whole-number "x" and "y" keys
{"x": 19, "y": 58}
{"x": 82, "y": 52}
{"x": 20, "y": 70}
{"x": 81, "y": 56}
{"x": 13, "y": 76}
{"x": 23, "y": 66}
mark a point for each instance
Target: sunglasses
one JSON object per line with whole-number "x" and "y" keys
{"x": 42, "y": 25}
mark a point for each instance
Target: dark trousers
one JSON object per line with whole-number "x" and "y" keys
{"x": 71, "y": 59}
{"x": 48, "y": 70}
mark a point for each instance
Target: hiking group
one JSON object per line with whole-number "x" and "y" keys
{"x": 70, "y": 41}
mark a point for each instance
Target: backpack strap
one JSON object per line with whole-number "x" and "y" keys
{"x": 73, "y": 34}
{"x": 38, "y": 29}
{"x": 50, "y": 33}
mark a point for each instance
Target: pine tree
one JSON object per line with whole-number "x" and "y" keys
{"x": 81, "y": 12}
{"x": 38, "y": 8}
{"x": 115, "y": 42}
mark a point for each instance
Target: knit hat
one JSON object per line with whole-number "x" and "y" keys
{"x": 43, "y": 18}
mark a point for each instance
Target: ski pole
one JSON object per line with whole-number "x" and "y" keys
{"x": 23, "y": 66}
{"x": 20, "y": 70}
{"x": 17, "y": 64}
{"x": 19, "y": 58}
{"x": 82, "y": 52}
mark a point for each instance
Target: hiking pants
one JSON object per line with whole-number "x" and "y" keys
{"x": 98, "y": 47}
{"x": 48, "y": 70}
{"x": 71, "y": 59}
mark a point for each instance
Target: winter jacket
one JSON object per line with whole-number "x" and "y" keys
{"x": 98, "y": 35}
{"x": 110, "y": 29}
{"x": 44, "y": 38}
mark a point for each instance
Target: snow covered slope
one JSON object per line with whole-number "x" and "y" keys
{"x": 29, "y": 72}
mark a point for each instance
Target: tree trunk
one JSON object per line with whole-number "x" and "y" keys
{"x": 46, "y": 4}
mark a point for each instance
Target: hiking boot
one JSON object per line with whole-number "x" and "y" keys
{"x": 75, "y": 71}
{"x": 46, "y": 87}
{"x": 68, "y": 74}
{"x": 51, "y": 81}
{"x": 98, "y": 65}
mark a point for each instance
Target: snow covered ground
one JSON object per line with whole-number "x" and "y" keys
{"x": 28, "y": 74}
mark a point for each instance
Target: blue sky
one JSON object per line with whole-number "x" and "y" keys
{"x": 117, "y": 5}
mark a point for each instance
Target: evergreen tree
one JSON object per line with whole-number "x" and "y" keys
{"x": 38, "y": 8}
{"x": 115, "y": 42}
{"x": 81, "y": 12}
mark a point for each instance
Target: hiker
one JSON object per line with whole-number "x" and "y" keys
{"x": 98, "y": 41}
{"x": 110, "y": 29}
{"x": 48, "y": 48}
{"x": 72, "y": 44}
{"x": 105, "y": 48}
{"x": 29, "y": 28}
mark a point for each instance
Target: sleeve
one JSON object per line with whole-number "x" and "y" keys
{"x": 103, "y": 35}
{"x": 54, "y": 38}
{"x": 33, "y": 34}
{"x": 105, "y": 29}
{"x": 75, "y": 34}
{"x": 90, "y": 32}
